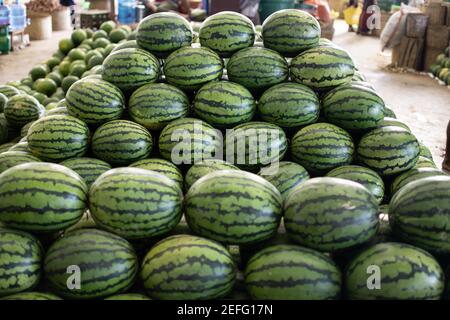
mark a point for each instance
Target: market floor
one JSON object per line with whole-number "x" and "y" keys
{"x": 418, "y": 100}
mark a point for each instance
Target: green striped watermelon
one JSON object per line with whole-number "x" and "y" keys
{"x": 154, "y": 105}
{"x": 23, "y": 108}
{"x": 388, "y": 122}
{"x": 423, "y": 162}
{"x": 130, "y": 68}
{"x": 56, "y": 138}
{"x": 290, "y": 32}
{"x": 322, "y": 68}
{"x": 320, "y": 147}
{"x": 21, "y": 146}
{"x": 107, "y": 263}
{"x": 330, "y": 214}
{"x": 227, "y": 32}
{"x": 95, "y": 101}
{"x": 189, "y": 68}
{"x": 41, "y": 197}
{"x": 254, "y": 144}
{"x": 25, "y": 128}
{"x": 135, "y": 203}
{"x": 388, "y": 112}
{"x": 128, "y": 296}
{"x": 4, "y": 129}
{"x": 257, "y": 68}
{"x": 10, "y": 159}
{"x": 88, "y": 168}
{"x": 121, "y": 142}
{"x": 3, "y": 101}
{"x": 413, "y": 174}
{"x": 365, "y": 176}
{"x": 289, "y": 105}
{"x": 284, "y": 176}
{"x": 188, "y": 267}
{"x": 20, "y": 261}
{"x": 125, "y": 45}
{"x": 202, "y": 168}
{"x": 188, "y": 141}
{"x": 425, "y": 151}
{"x": 388, "y": 150}
{"x": 290, "y": 272}
{"x": 5, "y": 147}
{"x": 163, "y": 33}
{"x": 418, "y": 213}
{"x": 353, "y": 107}
{"x": 9, "y": 91}
{"x": 233, "y": 207}
{"x": 58, "y": 110}
{"x": 224, "y": 104}
{"x": 406, "y": 272}
{"x": 161, "y": 166}
{"x": 31, "y": 296}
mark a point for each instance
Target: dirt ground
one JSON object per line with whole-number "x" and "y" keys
{"x": 418, "y": 100}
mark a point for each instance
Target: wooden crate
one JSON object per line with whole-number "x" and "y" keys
{"x": 436, "y": 13}
{"x": 93, "y": 18}
{"x": 416, "y": 25}
{"x": 437, "y": 36}
{"x": 430, "y": 56}
{"x": 408, "y": 54}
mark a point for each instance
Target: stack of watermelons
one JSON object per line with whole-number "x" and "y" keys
{"x": 125, "y": 189}
{"x": 440, "y": 70}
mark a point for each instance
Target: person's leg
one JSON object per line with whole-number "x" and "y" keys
{"x": 446, "y": 163}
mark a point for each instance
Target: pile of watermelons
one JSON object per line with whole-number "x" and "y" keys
{"x": 125, "y": 188}
{"x": 441, "y": 68}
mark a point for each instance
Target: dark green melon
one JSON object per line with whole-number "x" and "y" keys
{"x": 121, "y": 142}
{"x": 202, "y": 168}
{"x": 22, "y": 108}
{"x": 9, "y": 91}
{"x": 290, "y": 272}
{"x": 405, "y": 272}
{"x": 41, "y": 197}
{"x": 252, "y": 207}
{"x": 188, "y": 267}
{"x": 161, "y": 166}
{"x": 3, "y": 101}
{"x": 413, "y": 174}
{"x": 10, "y": 159}
{"x": 88, "y": 168}
{"x": 330, "y": 214}
{"x": 32, "y": 296}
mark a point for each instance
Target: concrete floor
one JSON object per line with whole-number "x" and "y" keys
{"x": 417, "y": 100}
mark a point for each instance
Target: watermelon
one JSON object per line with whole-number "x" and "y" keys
{"x": 290, "y": 272}
{"x": 388, "y": 150}
{"x": 329, "y": 214}
{"x": 3, "y": 101}
{"x": 188, "y": 267}
{"x": 130, "y": 68}
{"x": 95, "y": 101}
{"x": 4, "y": 129}
{"x": 233, "y": 207}
{"x": 21, "y": 147}
{"x": 257, "y": 68}
{"x": 322, "y": 68}
{"x": 419, "y": 213}
{"x": 128, "y": 296}
{"x": 290, "y": 32}
{"x": 289, "y": 105}
{"x": 108, "y": 264}
{"x": 413, "y": 175}
{"x": 284, "y": 175}
{"x": 135, "y": 203}
{"x": 23, "y": 108}
{"x": 425, "y": 151}
{"x": 20, "y": 261}
{"x": 88, "y": 168}
{"x": 406, "y": 272}
{"x": 202, "y": 168}
{"x": 41, "y": 197}
{"x": 188, "y": 141}
{"x": 117, "y": 35}
{"x": 67, "y": 82}
{"x": 10, "y": 159}
{"x": 224, "y": 104}
{"x": 125, "y": 45}
{"x": 189, "y": 68}
{"x": 154, "y": 105}
{"x": 255, "y": 144}
{"x": 5, "y": 147}
{"x": 8, "y": 91}
{"x": 365, "y": 176}
{"x": 227, "y": 32}
{"x": 121, "y": 142}
{"x": 57, "y": 111}
{"x": 31, "y": 296}
{"x": 161, "y": 166}
{"x": 56, "y": 138}
{"x": 164, "y": 32}
{"x": 353, "y": 107}
{"x": 107, "y": 26}
{"x": 423, "y": 162}
{"x": 321, "y": 147}
{"x": 388, "y": 122}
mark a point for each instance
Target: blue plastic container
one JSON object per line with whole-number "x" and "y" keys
{"x": 4, "y": 14}
{"x": 18, "y": 16}
{"x": 127, "y": 11}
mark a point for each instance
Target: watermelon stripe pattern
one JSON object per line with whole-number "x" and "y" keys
{"x": 329, "y": 214}
{"x": 289, "y": 272}
{"x": 108, "y": 264}
{"x": 95, "y": 101}
{"x": 10, "y": 159}
{"x": 143, "y": 203}
{"x": 21, "y": 109}
{"x": 412, "y": 175}
{"x": 130, "y": 68}
{"x": 190, "y": 68}
{"x": 188, "y": 267}
{"x": 20, "y": 261}
{"x": 41, "y": 197}
{"x": 233, "y": 207}
{"x": 161, "y": 166}
{"x": 202, "y": 168}
{"x": 30, "y": 296}
{"x": 88, "y": 168}
{"x": 56, "y": 138}
{"x": 9, "y": 91}
{"x": 156, "y": 104}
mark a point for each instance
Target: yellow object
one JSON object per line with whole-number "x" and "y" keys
{"x": 351, "y": 15}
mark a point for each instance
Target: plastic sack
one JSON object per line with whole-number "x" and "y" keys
{"x": 396, "y": 27}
